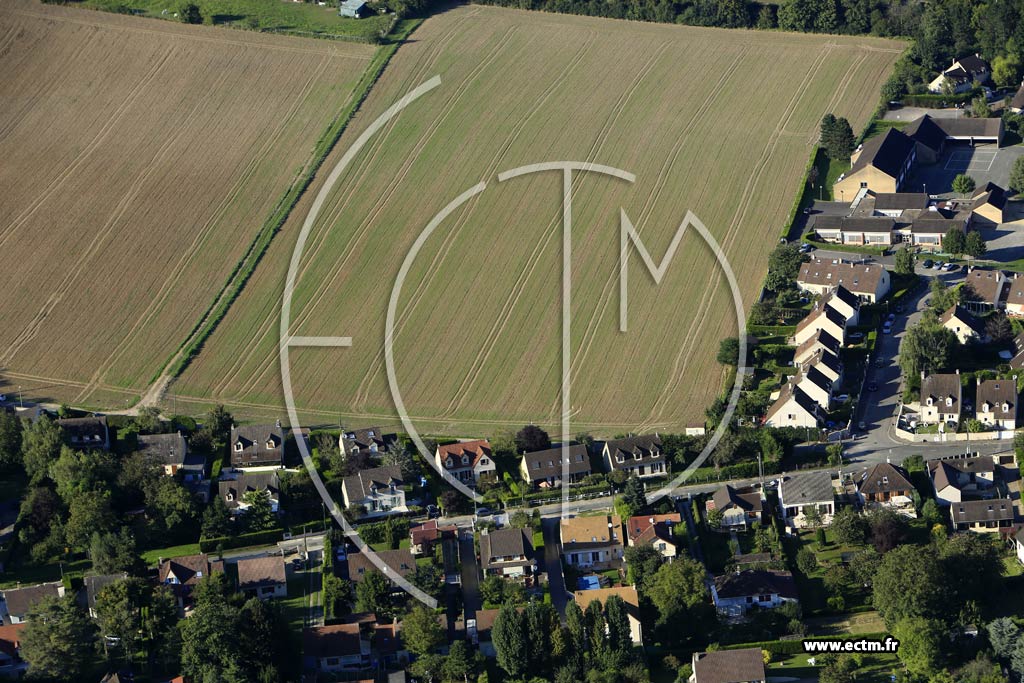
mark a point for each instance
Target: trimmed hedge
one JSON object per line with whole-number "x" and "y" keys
{"x": 795, "y": 647}
{"x": 771, "y": 330}
{"x": 266, "y": 537}
{"x": 931, "y": 100}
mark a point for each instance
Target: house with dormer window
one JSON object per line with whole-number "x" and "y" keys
{"x": 592, "y": 542}
{"x": 234, "y": 491}
{"x": 641, "y": 456}
{"x": 86, "y": 432}
{"x": 380, "y": 490}
{"x": 507, "y": 552}
{"x": 371, "y": 441}
{"x": 183, "y": 573}
{"x": 997, "y": 403}
{"x": 257, "y": 445}
{"x": 466, "y": 461}
{"x": 941, "y": 398}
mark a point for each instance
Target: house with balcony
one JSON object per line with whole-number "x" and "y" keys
{"x": 467, "y": 461}
{"x": 740, "y": 508}
{"x": 885, "y": 485}
{"x": 593, "y": 542}
{"x": 508, "y": 552}
{"x": 805, "y": 496}
{"x": 736, "y": 593}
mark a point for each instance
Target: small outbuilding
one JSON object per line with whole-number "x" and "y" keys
{"x": 353, "y": 9}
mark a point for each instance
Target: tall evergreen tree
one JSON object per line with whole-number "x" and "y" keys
{"x": 509, "y": 638}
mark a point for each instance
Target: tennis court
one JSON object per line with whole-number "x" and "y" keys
{"x": 961, "y": 160}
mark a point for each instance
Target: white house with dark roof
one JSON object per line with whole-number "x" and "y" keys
{"x": 816, "y": 385}
{"x": 963, "y": 324}
{"x": 822, "y": 341}
{"x": 545, "y": 468}
{"x": 740, "y": 508}
{"x": 15, "y": 603}
{"x": 371, "y": 440}
{"x": 641, "y": 455}
{"x": 822, "y": 317}
{"x": 379, "y": 490}
{"x": 941, "y": 398}
{"x": 827, "y": 363}
{"x": 736, "y": 593}
{"x": 996, "y": 404}
{"x": 466, "y": 461}
{"x": 793, "y": 408}
{"x": 233, "y": 491}
{"x": 961, "y": 75}
{"x": 803, "y": 492}
{"x": 257, "y": 445}
{"x": 887, "y": 485}
{"x": 955, "y": 479}
{"x": 846, "y": 302}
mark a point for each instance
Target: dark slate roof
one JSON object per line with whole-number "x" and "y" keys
{"x": 927, "y": 132}
{"x": 646, "y": 446}
{"x": 369, "y": 440}
{"x": 756, "y": 582}
{"x": 85, "y": 431}
{"x": 884, "y": 478}
{"x": 543, "y": 464}
{"x": 260, "y": 445}
{"x": 934, "y": 226}
{"x": 1018, "y": 98}
{"x": 990, "y": 193}
{"x": 166, "y": 449}
{"x": 973, "y": 63}
{"x": 750, "y": 501}
{"x": 94, "y": 585}
{"x": 789, "y": 390}
{"x": 818, "y": 378}
{"x": 828, "y": 359}
{"x": 20, "y": 600}
{"x": 971, "y": 127}
{"x": 729, "y": 666}
{"x": 825, "y": 339}
{"x": 361, "y": 484}
{"x": 964, "y": 316}
{"x": 996, "y": 392}
{"x": 940, "y": 385}
{"x": 806, "y": 487}
{"x": 972, "y": 511}
{"x": 886, "y": 152}
{"x": 846, "y": 296}
{"x": 248, "y": 481}
{"x": 900, "y": 201}
{"x": 1018, "y": 360}
{"x": 507, "y": 542}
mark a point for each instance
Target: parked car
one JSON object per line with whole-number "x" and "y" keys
{"x": 927, "y": 263}
{"x": 873, "y": 386}
{"x": 887, "y": 328}
{"x": 861, "y": 426}
{"x": 484, "y": 512}
{"x": 938, "y": 265}
{"x": 855, "y": 336}
{"x": 891, "y": 317}
{"x": 950, "y": 267}
{"x": 843, "y": 398}
{"x": 879, "y": 363}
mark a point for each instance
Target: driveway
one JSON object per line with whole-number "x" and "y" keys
{"x": 470, "y": 576}
{"x": 553, "y": 560}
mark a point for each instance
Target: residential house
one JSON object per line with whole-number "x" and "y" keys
{"x": 805, "y": 493}
{"x": 963, "y": 324}
{"x": 386, "y": 646}
{"x": 988, "y": 206}
{"x": 736, "y": 593}
{"x": 257, "y": 445}
{"x": 15, "y": 603}
{"x": 262, "y": 577}
{"x": 941, "y": 398}
{"x": 827, "y": 363}
{"x": 183, "y": 573}
{"x": 728, "y": 666}
{"x": 740, "y": 508}
{"x": 396, "y": 562}
{"x": 639, "y": 456}
{"x": 479, "y": 631}
{"x": 868, "y": 281}
{"x": 983, "y": 516}
{"x": 886, "y": 485}
{"x": 844, "y": 301}
{"x": 422, "y": 537}
{"x": 996, "y": 405}
{"x": 815, "y": 384}
{"x": 821, "y": 317}
{"x": 379, "y": 490}
{"x": 11, "y": 663}
{"x": 94, "y": 585}
{"x": 987, "y": 289}
{"x": 881, "y": 164}
{"x": 793, "y": 408}
{"x": 170, "y": 453}
{"x": 1017, "y": 362}
{"x": 822, "y": 341}
{"x": 656, "y": 530}
{"x": 956, "y": 478}
{"x": 235, "y": 491}
{"x": 371, "y": 441}
{"x": 628, "y": 595}
{"x": 592, "y": 542}
{"x": 466, "y": 461}
{"x": 1015, "y": 305}
{"x": 336, "y": 648}
{"x": 507, "y": 552}
{"x": 1018, "y": 538}
{"x": 86, "y": 432}
{"x": 545, "y": 468}
{"x": 961, "y": 75}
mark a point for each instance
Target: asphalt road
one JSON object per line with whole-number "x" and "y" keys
{"x": 470, "y": 577}
{"x": 553, "y": 560}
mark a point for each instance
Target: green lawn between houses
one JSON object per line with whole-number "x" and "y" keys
{"x": 300, "y": 18}
{"x": 876, "y": 668}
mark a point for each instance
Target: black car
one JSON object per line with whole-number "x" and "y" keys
{"x": 927, "y": 263}
{"x": 873, "y": 387}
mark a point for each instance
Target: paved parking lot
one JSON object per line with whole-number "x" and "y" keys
{"x": 984, "y": 163}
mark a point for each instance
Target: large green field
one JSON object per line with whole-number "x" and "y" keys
{"x": 718, "y": 122}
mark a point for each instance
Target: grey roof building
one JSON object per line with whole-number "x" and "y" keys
{"x": 257, "y": 445}
{"x": 546, "y": 466}
{"x": 86, "y": 432}
{"x": 641, "y": 455}
{"x": 372, "y": 441}
{"x": 94, "y": 585}
{"x": 507, "y": 551}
